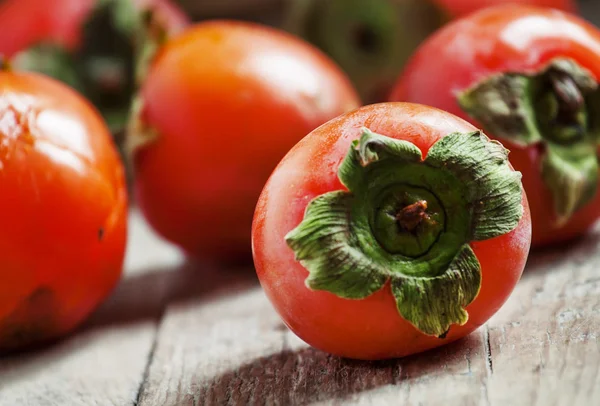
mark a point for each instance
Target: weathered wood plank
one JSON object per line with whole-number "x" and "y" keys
{"x": 220, "y": 342}
{"x": 229, "y": 348}
{"x": 545, "y": 343}
{"x": 104, "y": 363}
{"x": 453, "y": 375}
{"x": 233, "y": 350}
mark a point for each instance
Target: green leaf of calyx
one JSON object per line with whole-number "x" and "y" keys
{"x": 503, "y": 105}
{"x": 397, "y": 200}
{"x": 127, "y": 18}
{"x": 493, "y": 189}
{"x": 434, "y": 304}
{"x": 571, "y": 173}
{"x": 326, "y": 245}
{"x": 558, "y": 108}
{"x": 593, "y": 102}
{"x": 51, "y": 60}
{"x": 514, "y": 106}
{"x": 372, "y": 148}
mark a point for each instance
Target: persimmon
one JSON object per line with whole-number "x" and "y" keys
{"x": 221, "y": 104}
{"x": 391, "y": 230}
{"x": 65, "y": 210}
{"x": 528, "y": 77}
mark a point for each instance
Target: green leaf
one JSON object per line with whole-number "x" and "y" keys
{"x": 51, "y": 60}
{"x": 582, "y": 77}
{"x": 372, "y": 148}
{"x": 126, "y": 17}
{"x": 432, "y": 305}
{"x": 326, "y": 244}
{"x": 527, "y": 108}
{"x": 571, "y": 173}
{"x": 557, "y": 107}
{"x": 371, "y": 40}
{"x": 504, "y": 106}
{"x": 493, "y": 189}
{"x": 593, "y": 103}
{"x": 375, "y": 147}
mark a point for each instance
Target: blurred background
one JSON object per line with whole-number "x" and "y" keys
{"x": 91, "y": 47}
{"x": 369, "y": 39}
{"x": 97, "y": 47}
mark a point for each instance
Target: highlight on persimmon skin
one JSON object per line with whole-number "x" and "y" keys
{"x": 537, "y": 93}
{"x": 390, "y": 230}
{"x": 209, "y": 130}
{"x": 64, "y": 201}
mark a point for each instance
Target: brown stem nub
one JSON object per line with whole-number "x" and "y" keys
{"x": 412, "y": 215}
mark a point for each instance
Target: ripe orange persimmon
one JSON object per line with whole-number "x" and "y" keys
{"x": 529, "y": 77}
{"x": 64, "y": 206}
{"x": 221, "y": 105}
{"x": 390, "y": 230}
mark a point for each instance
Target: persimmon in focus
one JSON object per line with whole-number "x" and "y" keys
{"x": 391, "y": 230}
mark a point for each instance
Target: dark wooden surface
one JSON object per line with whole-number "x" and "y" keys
{"x": 177, "y": 333}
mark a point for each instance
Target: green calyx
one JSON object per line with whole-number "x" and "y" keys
{"x": 557, "y": 108}
{"x": 106, "y": 65}
{"x": 409, "y": 221}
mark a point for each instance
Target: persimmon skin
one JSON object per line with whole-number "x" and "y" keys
{"x": 222, "y": 123}
{"x": 65, "y": 206}
{"x": 370, "y": 328}
{"x": 496, "y": 40}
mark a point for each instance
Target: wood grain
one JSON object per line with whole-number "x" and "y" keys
{"x": 104, "y": 363}
{"x": 541, "y": 348}
{"x": 546, "y": 343}
{"x": 235, "y": 351}
{"x": 182, "y": 333}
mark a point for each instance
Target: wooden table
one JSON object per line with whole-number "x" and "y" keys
{"x": 175, "y": 333}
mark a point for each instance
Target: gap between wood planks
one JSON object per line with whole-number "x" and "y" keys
{"x": 233, "y": 349}
{"x": 102, "y": 363}
{"x": 174, "y": 334}
{"x": 148, "y": 362}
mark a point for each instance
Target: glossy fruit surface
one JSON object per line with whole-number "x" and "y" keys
{"x": 348, "y": 273}
{"x": 517, "y": 41}
{"x": 65, "y": 205}
{"x": 222, "y": 104}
